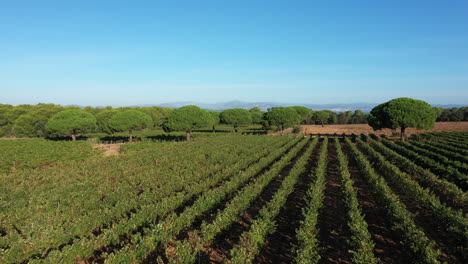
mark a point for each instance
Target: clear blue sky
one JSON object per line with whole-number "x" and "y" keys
{"x": 149, "y": 52}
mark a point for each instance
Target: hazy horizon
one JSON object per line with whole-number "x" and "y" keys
{"x": 366, "y": 106}
{"x": 299, "y": 52}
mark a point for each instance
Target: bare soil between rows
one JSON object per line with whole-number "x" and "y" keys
{"x": 388, "y": 247}
{"x": 279, "y": 247}
{"x": 366, "y": 129}
{"x": 332, "y": 220}
{"x": 224, "y": 242}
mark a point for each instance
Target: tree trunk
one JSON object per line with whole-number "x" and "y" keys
{"x": 73, "y": 137}
{"x": 322, "y": 122}
{"x": 187, "y": 134}
{"x": 403, "y": 135}
{"x": 235, "y": 128}
{"x": 131, "y": 136}
{"x": 282, "y": 130}
{"x": 214, "y": 130}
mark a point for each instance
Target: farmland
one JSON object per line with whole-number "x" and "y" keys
{"x": 237, "y": 199}
{"x": 366, "y": 129}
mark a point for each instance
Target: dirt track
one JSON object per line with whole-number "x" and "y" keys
{"x": 109, "y": 149}
{"x": 366, "y": 129}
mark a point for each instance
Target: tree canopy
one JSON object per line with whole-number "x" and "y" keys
{"x": 130, "y": 120}
{"x": 257, "y": 115}
{"x": 71, "y": 122}
{"x": 187, "y": 118}
{"x": 215, "y": 118}
{"x": 236, "y": 117}
{"x": 304, "y": 113}
{"x": 402, "y": 113}
{"x": 322, "y": 116}
{"x": 282, "y": 117}
{"x": 24, "y": 126}
{"x": 103, "y": 118}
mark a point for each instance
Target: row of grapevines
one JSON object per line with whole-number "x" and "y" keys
{"x": 403, "y": 223}
{"x": 231, "y": 213}
{"x": 446, "y": 172}
{"x": 448, "y": 219}
{"x": 252, "y": 240}
{"x": 450, "y": 192}
{"x": 361, "y": 242}
{"x": 456, "y": 138}
{"x": 463, "y": 168}
{"x": 31, "y": 153}
{"x": 165, "y": 230}
{"x": 17, "y": 250}
{"x": 307, "y": 249}
{"x": 451, "y": 155}
{"x": 153, "y": 211}
{"x": 441, "y": 144}
{"x": 66, "y": 225}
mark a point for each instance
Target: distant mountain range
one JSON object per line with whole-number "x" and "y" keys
{"x": 365, "y": 107}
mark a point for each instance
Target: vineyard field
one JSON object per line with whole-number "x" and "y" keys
{"x": 237, "y": 199}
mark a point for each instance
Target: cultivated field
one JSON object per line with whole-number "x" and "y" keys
{"x": 240, "y": 199}
{"x": 366, "y": 129}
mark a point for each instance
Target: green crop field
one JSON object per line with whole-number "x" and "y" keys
{"x": 31, "y": 153}
{"x": 236, "y": 199}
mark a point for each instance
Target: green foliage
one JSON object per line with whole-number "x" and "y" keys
{"x": 257, "y": 117}
{"x": 422, "y": 248}
{"x": 32, "y": 153}
{"x": 129, "y": 120}
{"x": 296, "y": 129}
{"x": 455, "y": 114}
{"x": 70, "y": 122}
{"x": 361, "y": 239}
{"x": 304, "y": 113}
{"x": 147, "y": 198}
{"x": 41, "y": 114}
{"x": 322, "y": 116}
{"x": 15, "y": 112}
{"x": 215, "y": 116}
{"x": 252, "y": 240}
{"x": 103, "y": 118}
{"x": 255, "y": 110}
{"x": 24, "y": 126}
{"x": 187, "y": 118}
{"x": 283, "y": 117}
{"x": 121, "y": 195}
{"x": 92, "y": 110}
{"x": 454, "y": 196}
{"x": 402, "y": 113}
{"x": 207, "y": 199}
{"x": 307, "y": 250}
{"x": 158, "y": 114}
{"x": 447, "y": 172}
{"x": 447, "y": 219}
{"x": 4, "y": 109}
{"x": 26, "y": 120}
{"x": 236, "y": 117}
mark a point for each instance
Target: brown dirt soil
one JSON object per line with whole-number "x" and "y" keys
{"x": 279, "y": 247}
{"x": 366, "y": 129}
{"x": 108, "y": 149}
{"x": 224, "y": 242}
{"x": 333, "y": 229}
{"x": 451, "y": 249}
{"x": 388, "y": 247}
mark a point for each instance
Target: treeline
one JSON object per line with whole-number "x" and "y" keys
{"x": 30, "y": 120}
{"x": 455, "y": 114}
